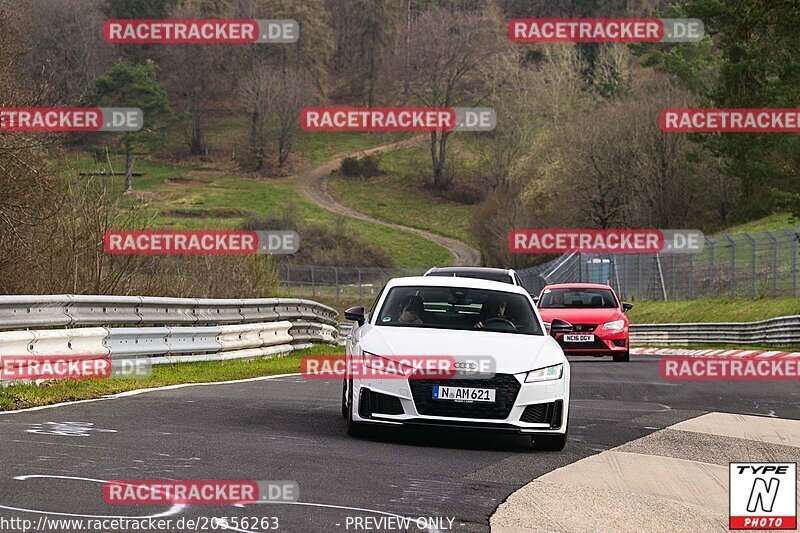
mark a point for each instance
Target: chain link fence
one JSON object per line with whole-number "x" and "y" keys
{"x": 338, "y": 282}
{"x": 742, "y": 265}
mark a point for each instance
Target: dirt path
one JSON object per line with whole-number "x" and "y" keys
{"x": 313, "y": 185}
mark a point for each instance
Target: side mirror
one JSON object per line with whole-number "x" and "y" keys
{"x": 626, "y": 307}
{"x": 355, "y": 314}
{"x": 559, "y": 326}
{"x": 535, "y": 299}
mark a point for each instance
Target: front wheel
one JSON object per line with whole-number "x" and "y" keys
{"x": 549, "y": 443}
{"x": 622, "y": 358}
{"x": 345, "y": 387}
{"x": 354, "y": 429}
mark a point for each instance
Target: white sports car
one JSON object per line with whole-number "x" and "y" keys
{"x": 522, "y": 381}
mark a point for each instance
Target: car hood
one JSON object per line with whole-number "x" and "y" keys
{"x": 582, "y": 316}
{"x": 513, "y": 353}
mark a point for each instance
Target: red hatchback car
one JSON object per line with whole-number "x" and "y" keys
{"x": 599, "y": 322}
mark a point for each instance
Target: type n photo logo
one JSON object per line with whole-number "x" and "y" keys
{"x": 763, "y": 496}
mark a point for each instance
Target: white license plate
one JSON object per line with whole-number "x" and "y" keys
{"x": 573, "y": 337}
{"x": 463, "y": 394}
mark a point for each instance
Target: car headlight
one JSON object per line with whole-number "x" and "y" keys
{"x": 617, "y": 325}
{"x": 545, "y": 374}
{"x": 385, "y": 364}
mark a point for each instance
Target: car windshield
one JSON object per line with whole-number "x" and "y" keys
{"x": 577, "y": 298}
{"x": 459, "y": 308}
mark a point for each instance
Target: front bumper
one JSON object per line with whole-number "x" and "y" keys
{"x": 532, "y": 408}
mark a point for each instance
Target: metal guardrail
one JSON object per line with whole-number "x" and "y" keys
{"x": 780, "y": 331}
{"x": 164, "y": 330}
{"x": 67, "y": 310}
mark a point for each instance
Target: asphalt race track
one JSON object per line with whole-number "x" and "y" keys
{"x": 289, "y": 428}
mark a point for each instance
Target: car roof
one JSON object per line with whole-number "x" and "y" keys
{"x": 467, "y": 283}
{"x": 578, "y": 286}
{"x": 471, "y": 270}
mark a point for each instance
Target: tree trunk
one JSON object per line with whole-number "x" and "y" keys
{"x": 256, "y": 139}
{"x": 437, "y": 175}
{"x": 197, "y": 142}
{"x": 128, "y": 165}
{"x": 439, "y": 158}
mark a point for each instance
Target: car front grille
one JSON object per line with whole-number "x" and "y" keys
{"x": 385, "y": 404}
{"x": 506, "y": 387}
{"x": 534, "y": 414}
{"x": 543, "y": 413}
{"x": 371, "y": 402}
{"x": 584, "y": 328}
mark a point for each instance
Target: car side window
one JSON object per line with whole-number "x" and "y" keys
{"x": 374, "y": 304}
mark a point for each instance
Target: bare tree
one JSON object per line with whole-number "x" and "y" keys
{"x": 64, "y": 47}
{"x": 258, "y": 93}
{"x": 273, "y": 98}
{"x": 196, "y": 75}
{"x": 455, "y": 57}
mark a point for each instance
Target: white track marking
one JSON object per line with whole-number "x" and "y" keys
{"x": 172, "y": 511}
{"x": 144, "y": 391}
{"x": 177, "y": 508}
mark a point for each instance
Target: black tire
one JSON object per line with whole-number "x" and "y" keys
{"x": 344, "y": 398}
{"x": 549, "y": 443}
{"x": 354, "y": 429}
{"x": 622, "y": 358}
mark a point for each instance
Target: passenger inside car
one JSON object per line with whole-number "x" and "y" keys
{"x": 494, "y": 307}
{"x": 412, "y": 311}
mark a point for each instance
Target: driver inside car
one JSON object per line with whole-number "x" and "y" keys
{"x": 492, "y": 308}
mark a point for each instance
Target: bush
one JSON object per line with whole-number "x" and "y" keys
{"x": 283, "y": 221}
{"x": 366, "y": 167}
{"x": 324, "y": 246}
{"x": 350, "y": 167}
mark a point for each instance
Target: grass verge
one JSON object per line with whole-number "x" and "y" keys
{"x": 196, "y": 197}
{"x": 15, "y": 397}
{"x": 713, "y": 310}
{"x": 398, "y": 196}
{"x": 776, "y": 221}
